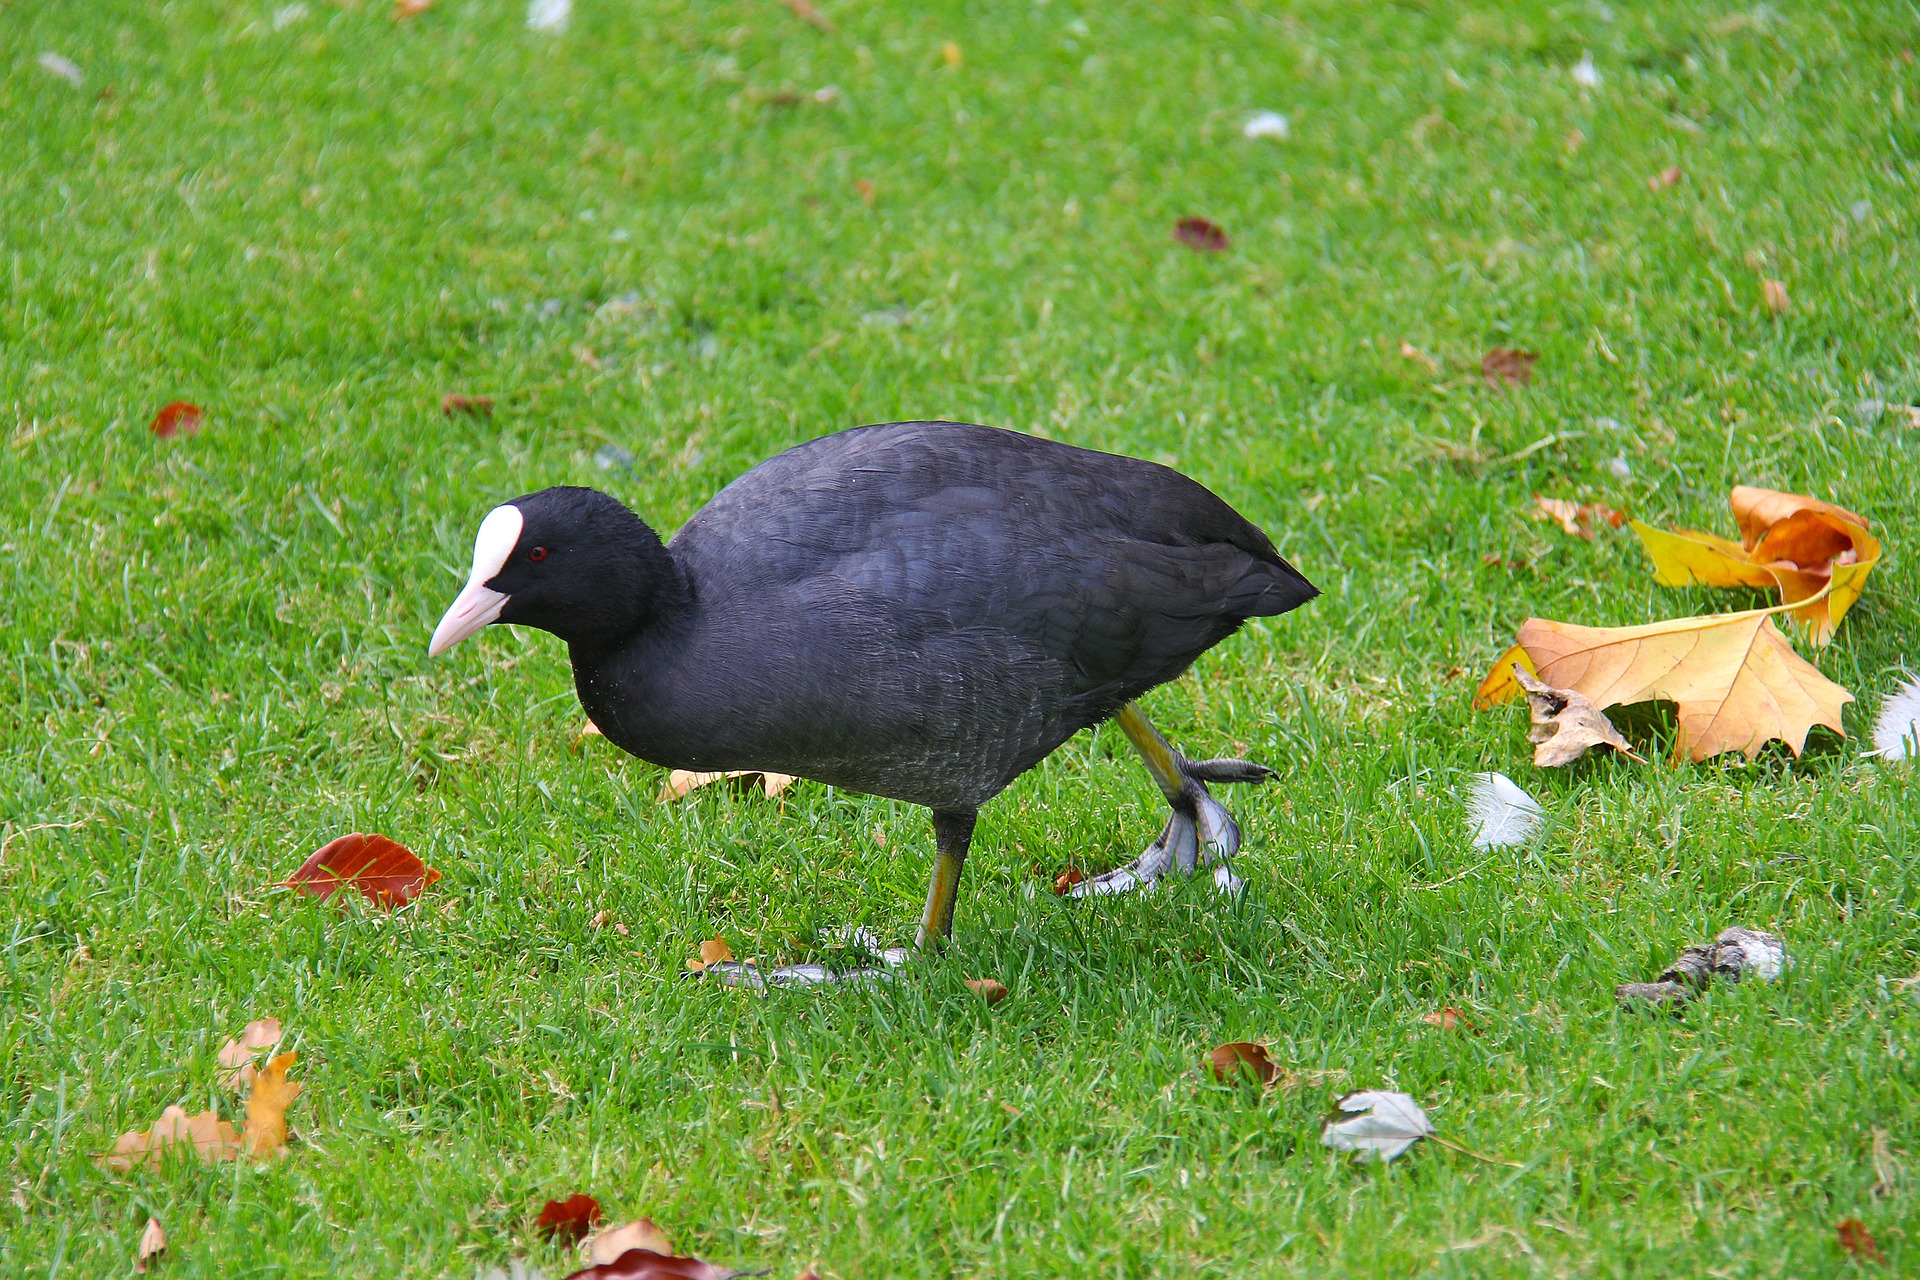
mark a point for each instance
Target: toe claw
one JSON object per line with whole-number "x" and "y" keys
{"x": 1228, "y": 771}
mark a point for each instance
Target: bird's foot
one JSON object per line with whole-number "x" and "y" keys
{"x": 742, "y": 973}
{"x": 1199, "y": 833}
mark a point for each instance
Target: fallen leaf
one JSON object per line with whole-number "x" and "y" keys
{"x": 1376, "y": 1123}
{"x": 682, "y": 781}
{"x": 804, "y": 10}
{"x": 267, "y": 1102}
{"x": 550, "y": 16}
{"x": 1775, "y": 293}
{"x": 1410, "y": 352}
{"x": 177, "y": 419}
{"x": 645, "y": 1264}
{"x": 1503, "y": 815}
{"x": 1665, "y": 178}
{"x": 1243, "y": 1058}
{"x": 473, "y": 406}
{"x": 65, "y": 68}
{"x": 1200, "y": 235}
{"x": 641, "y": 1233}
{"x": 1266, "y": 124}
{"x": 1579, "y": 519}
{"x": 404, "y": 9}
{"x": 1735, "y": 681}
{"x": 1797, "y": 545}
{"x": 386, "y": 873}
{"x": 1447, "y": 1019}
{"x": 992, "y": 990}
{"x": 866, "y": 190}
{"x": 1896, "y": 733}
{"x": 210, "y": 1137}
{"x": 567, "y": 1221}
{"x": 712, "y": 951}
{"x": 1067, "y": 879}
{"x": 153, "y": 1243}
{"x": 237, "y": 1054}
{"x": 1858, "y": 1241}
{"x": 1505, "y": 367}
{"x": 950, "y": 54}
{"x": 1565, "y": 725}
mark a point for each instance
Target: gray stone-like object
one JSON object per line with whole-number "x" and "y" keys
{"x": 1736, "y": 954}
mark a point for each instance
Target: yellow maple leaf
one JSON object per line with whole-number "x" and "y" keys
{"x": 267, "y": 1102}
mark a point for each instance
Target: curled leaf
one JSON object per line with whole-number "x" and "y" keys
{"x": 646, "y": 1264}
{"x": 992, "y": 990}
{"x": 641, "y": 1233}
{"x": 472, "y": 406}
{"x": 1448, "y": 1019}
{"x": 1565, "y": 724}
{"x": 1578, "y": 519}
{"x": 1375, "y": 1123}
{"x": 1200, "y": 235}
{"x": 713, "y": 951}
{"x": 386, "y": 873}
{"x": 206, "y": 1135}
{"x": 1240, "y": 1058}
{"x": 568, "y": 1221}
{"x": 177, "y": 419}
{"x": 1858, "y": 1241}
{"x": 1505, "y": 367}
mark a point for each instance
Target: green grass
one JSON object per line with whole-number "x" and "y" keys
{"x": 212, "y": 650}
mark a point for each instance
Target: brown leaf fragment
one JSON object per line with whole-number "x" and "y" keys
{"x": 209, "y": 1137}
{"x": 1505, "y": 367}
{"x": 641, "y": 1233}
{"x": 177, "y": 419}
{"x": 267, "y": 1102}
{"x": 866, "y": 189}
{"x": 950, "y": 53}
{"x": 682, "y": 781}
{"x": 1858, "y": 1241}
{"x": 1243, "y": 1058}
{"x": 804, "y": 10}
{"x": 153, "y": 1243}
{"x": 237, "y": 1054}
{"x": 1775, "y": 293}
{"x": 1449, "y": 1019}
{"x": 645, "y": 1264}
{"x": 1565, "y": 724}
{"x": 386, "y": 873}
{"x": 992, "y": 990}
{"x": 1066, "y": 880}
{"x": 1200, "y": 235}
{"x": 712, "y": 951}
{"x": 1578, "y": 519}
{"x": 567, "y": 1221}
{"x": 473, "y": 406}
{"x": 1665, "y": 178}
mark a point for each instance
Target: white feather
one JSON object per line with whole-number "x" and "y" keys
{"x": 1266, "y": 124}
{"x": 1896, "y": 734}
{"x": 549, "y": 15}
{"x": 1503, "y": 815}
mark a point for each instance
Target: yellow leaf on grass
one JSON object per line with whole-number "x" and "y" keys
{"x": 1736, "y": 682}
{"x": 1500, "y": 685}
{"x": 712, "y": 951}
{"x": 267, "y": 1102}
{"x": 682, "y": 781}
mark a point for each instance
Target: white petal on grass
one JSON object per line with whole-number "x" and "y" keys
{"x": 1896, "y": 734}
{"x": 1584, "y": 73}
{"x": 1376, "y": 1123}
{"x": 1267, "y": 124}
{"x": 66, "y": 68}
{"x": 1503, "y": 815}
{"x": 549, "y": 15}
{"x": 284, "y": 18}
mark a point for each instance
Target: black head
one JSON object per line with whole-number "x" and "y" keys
{"x": 567, "y": 560}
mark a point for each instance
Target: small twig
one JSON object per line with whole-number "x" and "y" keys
{"x": 1467, "y": 1151}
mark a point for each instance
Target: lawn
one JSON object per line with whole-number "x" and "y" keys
{"x": 680, "y": 237}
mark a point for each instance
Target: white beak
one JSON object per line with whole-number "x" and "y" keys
{"x": 478, "y": 604}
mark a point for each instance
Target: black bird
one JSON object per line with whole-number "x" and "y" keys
{"x": 921, "y": 610}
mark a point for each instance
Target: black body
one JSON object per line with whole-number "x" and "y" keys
{"x": 921, "y": 610}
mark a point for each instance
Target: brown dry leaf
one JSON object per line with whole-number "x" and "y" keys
{"x": 1448, "y": 1019}
{"x": 569, "y": 1220}
{"x": 1858, "y": 1241}
{"x": 473, "y": 406}
{"x": 386, "y": 873}
{"x": 1665, "y": 178}
{"x": 992, "y": 990}
{"x": 950, "y": 54}
{"x": 645, "y": 1264}
{"x": 210, "y": 1137}
{"x": 866, "y": 189}
{"x": 404, "y": 9}
{"x": 153, "y": 1243}
{"x": 641, "y": 1233}
{"x": 1565, "y": 725}
{"x": 1734, "y": 679}
{"x": 1815, "y": 554}
{"x": 267, "y": 1102}
{"x": 1505, "y": 367}
{"x": 1579, "y": 519}
{"x": 712, "y": 951}
{"x": 1410, "y": 352}
{"x": 1230, "y": 1061}
{"x": 1200, "y": 235}
{"x": 804, "y": 10}
{"x": 682, "y": 781}
{"x": 1775, "y": 293}
{"x": 237, "y": 1054}
{"x": 1066, "y": 880}
{"x": 177, "y": 419}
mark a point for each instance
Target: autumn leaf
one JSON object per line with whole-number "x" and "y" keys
{"x": 1066, "y": 880}
{"x": 713, "y": 951}
{"x": 267, "y": 1102}
{"x": 1200, "y": 235}
{"x": 804, "y": 10}
{"x": 567, "y": 1221}
{"x": 1736, "y": 682}
{"x": 992, "y": 990}
{"x": 153, "y": 1243}
{"x": 682, "y": 781}
{"x": 1775, "y": 294}
{"x": 206, "y": 1134}
{"x": 1565, "y": 724}
{"x": 641, "y": 1233}
{"x": 1858, "y": 1241}
{"x": 1799, "y": 546}
{"x": 1448, "y": 1019}
{"x": 1665, "y": 178}
{"x": 177, "y": 419}
{"x": 950, "y": 54}
{"x": 388, "y": 874}
{"x": 647, "y": 1264}
{"x": 1375, "y": 1123}
{"x": 1578, "y": 519}
{"x": 472, "y": 406}
{"x": 1243, "y": 1058}
{"x": 1505, "y": 367}
{"x": 237, "y": 1054}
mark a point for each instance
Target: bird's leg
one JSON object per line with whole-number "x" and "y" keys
{"x": 1199, "y": 832}
{"x": 952, "y": 833}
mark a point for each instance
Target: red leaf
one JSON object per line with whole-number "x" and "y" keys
{"x": 1200, "y": 235}
{"x": 389, "y": 874}
{"x": 1067, "y": 879}
{"x": 1858, "y": 1241}
{"x": 178, "y": 418}
{"x": 569, "y": 1220}
{"x": 1505, "y": 367}
{"x": 645, "y": 1264}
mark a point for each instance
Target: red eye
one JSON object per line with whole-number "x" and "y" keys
{"x": 537, "y": 554}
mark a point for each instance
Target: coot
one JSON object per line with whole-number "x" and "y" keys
{"x": 921, "y": 610}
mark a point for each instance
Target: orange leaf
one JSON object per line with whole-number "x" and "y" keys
{"x": 1229, "y": 1061}
{"x": 208, "y": 1136}
{"x": 1505, "y": 367}
{"x": 1500, "y": 685}
{"x": 1448, "y": 1019}
{"x": 804, "y": 10}
{"x": 1735, "y": 680}
{"x": 567, "y": 1221}
{"x": 388, "y": 874}
{"x": 267, "y": 1102}
{"x": 712, "y": 951}
{"x": 992, "y": 990}
{"x": 178, "y": 418}
{"x": 1067, "y": 879}
{"x": 1775, "y": 293}
{"x": 237, "y": 1054}
{"x": 1758, "y": 510}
